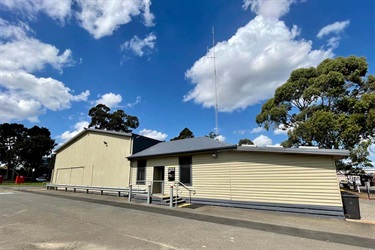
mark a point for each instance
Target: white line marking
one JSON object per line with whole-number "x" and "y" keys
{"x": 7, "y": 193}
{"x": 150, "y": 241}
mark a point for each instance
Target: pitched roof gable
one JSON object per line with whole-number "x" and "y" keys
{"x": 87, "y": 130}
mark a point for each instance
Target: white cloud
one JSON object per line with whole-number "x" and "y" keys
{"x": 153, "y": 134}
{"x": 50, "y": 93}
{"x": 281, "y": 130}
{"x": 334, "y": 42}
{"x": 262, "y": 141}
{"x": 110, "y": 100}
{"x": 138, "y": 46}
{"x": 257, "y": 130}
{"x": 18, "y": 108}
{"x": 241, "y": 132}
{"x": 22, "y": 52}
{"x": 78, "y": 127}
{"x": 251, "y": 65}
{"x": 28, "y": 95}
{"x": 101, "y": 17}
{"x": 138, "y": 100}
{"x": 220, "y": 138}
{"x": 148, "y": 17}
{"x": 269, "y": 8}
{"x": 335, "y": 28}
{"x": 56, "y": 9}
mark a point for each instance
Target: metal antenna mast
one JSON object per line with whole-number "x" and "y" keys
{"x": 216, "y": 106}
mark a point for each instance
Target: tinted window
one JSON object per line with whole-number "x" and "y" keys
{"x": 185, "y": 170}
{"x": 141, "y": 172}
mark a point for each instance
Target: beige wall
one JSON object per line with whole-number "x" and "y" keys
{"x": 258, "y": 177}
{"x": 88, "y": 161}
{"x": 151, "y": 163}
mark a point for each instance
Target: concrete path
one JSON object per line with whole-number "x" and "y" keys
{"x": 32, "y": 218}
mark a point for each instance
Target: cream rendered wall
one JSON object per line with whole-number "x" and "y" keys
{"x": 88, "y": 161}
{"x": 258, "y": 177}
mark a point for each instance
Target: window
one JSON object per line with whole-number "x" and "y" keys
{"x": 141, "y": 172}
{"x": 185, "y": 170}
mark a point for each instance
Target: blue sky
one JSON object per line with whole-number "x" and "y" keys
{"x": 153, "y": 59}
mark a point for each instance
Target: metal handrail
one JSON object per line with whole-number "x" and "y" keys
{"x": 191, "y": 190}
{"x": 99, "y": 188}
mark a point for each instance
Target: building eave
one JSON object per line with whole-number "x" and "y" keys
{"x": 336, "y": 153}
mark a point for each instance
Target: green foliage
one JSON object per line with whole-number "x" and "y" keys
{"x": 245, "y": 142}
{"x": 101, "y": 118}
{"x": 212, "y": 135}
{"x": 20, "y": 145}
{"x": 184, "y": 134}
{"x": 331, "y": 106}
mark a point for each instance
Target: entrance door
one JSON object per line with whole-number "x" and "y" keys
{"x": 158, "y": 180}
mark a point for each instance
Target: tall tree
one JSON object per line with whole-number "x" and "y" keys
{"x": 184, "y": 134}
{"x": 19, "y": 145}
{"x": 101, "y": 118}
{"x": 212, "y": 135}
{"x": 245, "y": 142}
{"x": 37, "y": 144}
{"x": 331, "y": 106}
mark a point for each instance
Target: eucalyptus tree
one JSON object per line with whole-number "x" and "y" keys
{"x": 102, "y": 118}
{"x": 331, "y": 106}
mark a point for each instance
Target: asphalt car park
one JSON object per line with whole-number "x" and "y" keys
{"x": 32, "y": 218}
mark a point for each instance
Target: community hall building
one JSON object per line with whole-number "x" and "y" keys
{"x": 301, "y": 180}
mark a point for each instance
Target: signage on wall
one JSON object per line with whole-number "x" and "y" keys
{"x": 171, "y": 174}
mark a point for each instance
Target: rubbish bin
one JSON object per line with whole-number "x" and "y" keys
{"x": 1, "y": 179}
{"x": 351, "y": 206}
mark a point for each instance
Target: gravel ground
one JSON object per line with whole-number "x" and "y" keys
{"x": 367, "y": 209}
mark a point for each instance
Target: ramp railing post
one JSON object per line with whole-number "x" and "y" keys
{"x": 149, "y": 194}
{"x": 171, "y": 197}
{"x": 130, "y": 192}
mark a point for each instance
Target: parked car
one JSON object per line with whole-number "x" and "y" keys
{"x": 41, "y": 178}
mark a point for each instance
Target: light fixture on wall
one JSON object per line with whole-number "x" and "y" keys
{"x": 105, "y": 143}
{"x": 214, "y": 155}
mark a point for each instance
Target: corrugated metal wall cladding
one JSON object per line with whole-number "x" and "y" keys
{"x": 283, "y": 190}
{"x": 287, "y": 194}
{"x": 295, "y": 200}
{"x": 286, "y": 201}
{"x": 277, "y": 178}
{"x": 105, "y": 164}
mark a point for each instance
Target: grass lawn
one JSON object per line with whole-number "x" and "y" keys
{"x": 11, "y": 183}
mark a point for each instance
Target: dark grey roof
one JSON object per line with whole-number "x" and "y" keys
{"x": 86, "y": 130}
{"x": 311, "y": 151}
{"x": 191, "y": 145}
{"x": 202, "y": 144}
